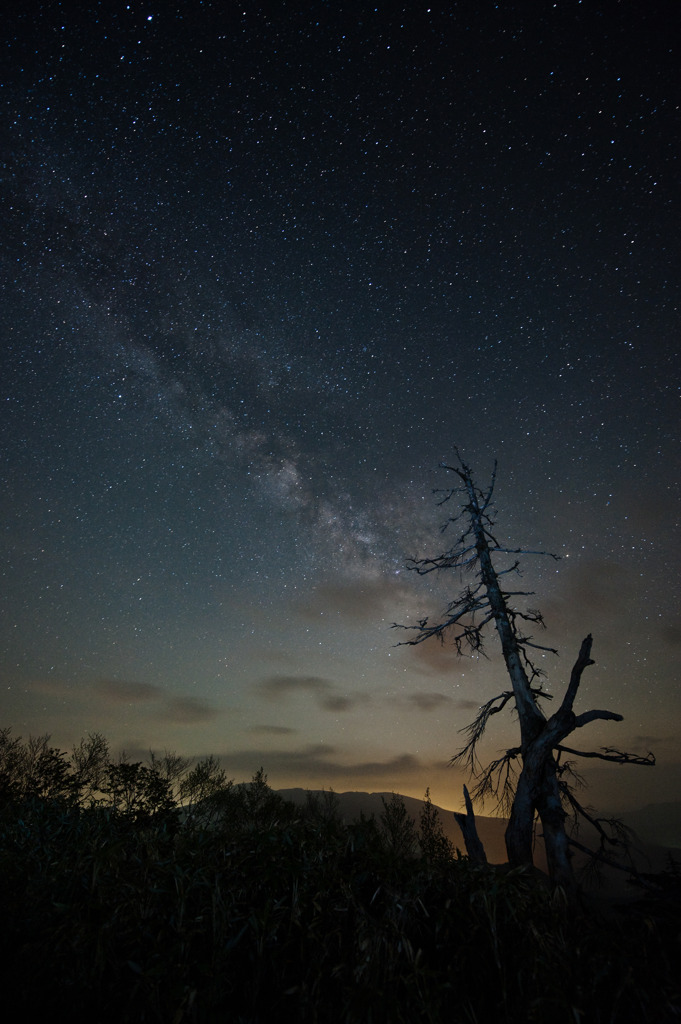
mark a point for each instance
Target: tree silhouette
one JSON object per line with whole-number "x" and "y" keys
{"x": 533, "y": 778}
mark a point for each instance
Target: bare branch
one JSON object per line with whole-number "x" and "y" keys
{"x": 597, "y": 823}
{"x": 512, "y": 568}
{"x": 451, "y": 560}
{"x": 476, "y": 729}
{"x": 466, "y": 822}
{"x": 525, "y": 551}
{"x": 600, "y": 857}
{"x": 528, "y": 642}
{"x": 490, "y": 492}
{"x": 612, "y": 832}
{"x": 611, "y": 754}
{"x": 470, "y": 635}
{"x": 594, "y": 716}
{"x": 449, "y": 493}
{"x": 564, "y": 768}
{"x": 583, "y": 661}
{"x": 498, "y": 781}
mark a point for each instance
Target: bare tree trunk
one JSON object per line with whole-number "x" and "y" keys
{"x": 472, "y": 841}
{"x": 552, "y": 814}
{"x": 538, "y": 791}
{"x": 530, "y": 717}
{"x": 520, "y": 828}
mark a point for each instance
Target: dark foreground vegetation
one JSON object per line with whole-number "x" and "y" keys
{"x": 160, "y": 891}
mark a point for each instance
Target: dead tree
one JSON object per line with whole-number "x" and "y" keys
{"x": 532, "y": 779}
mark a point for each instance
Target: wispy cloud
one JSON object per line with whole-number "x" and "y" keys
{"x": 50, "y": 686}
{"x": 468, "y": 705}
{"x": 122, "y": 691}
{"x": 432, "y": 658}
{"x": 428, "y": 701}
{"x": 277, "y": 686}
{"x": 180, "y": 710}
{"x": 321, "y": 761}
{"x": 324, "y": 692}
{"x": 273, "y": 730}
{"x": 189, "y": 710}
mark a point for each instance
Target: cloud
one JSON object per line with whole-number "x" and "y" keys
{"x": 120, "y": 691}
{"x": 434, "y": 658}
{"x": 189, "y": 710}
{"x": 339, "y": 703}
{"x": 50, "y": 686}
{"x": 278, "y": 687}
{"x": 321, "y": 762}
{"x": 181, "y": 710}
{"x": 428, "y": 701}
{"x": 468, "y": 705}
{"x": 273, "y": 730}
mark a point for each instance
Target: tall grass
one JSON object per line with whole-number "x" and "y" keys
{"x": 247, "y": 909}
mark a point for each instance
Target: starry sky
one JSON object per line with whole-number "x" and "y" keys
{"x": 263, "y": 267}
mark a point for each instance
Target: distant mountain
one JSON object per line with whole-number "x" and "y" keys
{"x": 657, "y": 828}
{"x": 659, "y": 824}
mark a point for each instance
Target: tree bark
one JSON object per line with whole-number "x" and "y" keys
{"x": 520, "y": 828}
{"x": 472, "y": 841}
{"x": 552, "y": 815}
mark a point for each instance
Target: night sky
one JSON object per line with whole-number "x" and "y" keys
{"x": 263, "y": 267}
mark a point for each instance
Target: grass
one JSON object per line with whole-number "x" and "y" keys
{"x": 246, "y": 909}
